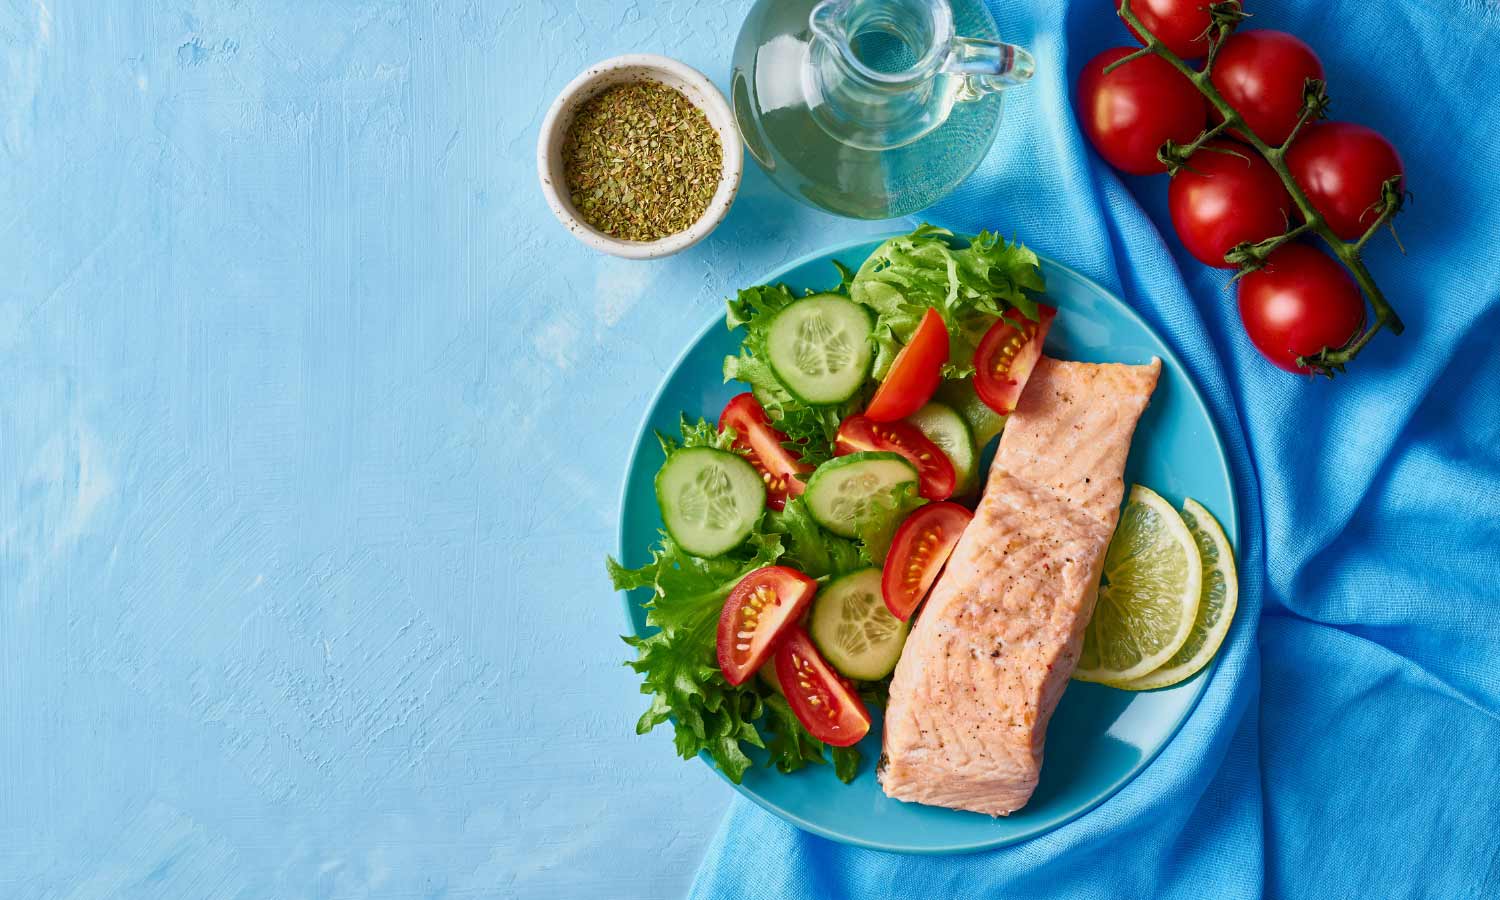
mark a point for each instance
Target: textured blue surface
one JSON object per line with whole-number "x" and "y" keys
{"x": 301, "y": 513}
{"x": 1346, "y": 744}
{"x": 312, "y": 426}
{"x": 1100, "y": 738}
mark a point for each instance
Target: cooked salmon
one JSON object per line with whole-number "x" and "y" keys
{"x": 993, "y": 649}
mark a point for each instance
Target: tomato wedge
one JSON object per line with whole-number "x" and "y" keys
{"x": 915, "y": 373}
{"x": 823, "y": 700}
{"x": 762, "y": 606}
{"x": 777, "y": 465}
{"x": 1006, "y": 355}
{"x": 936, "y": 478}
{"x": 921, "y": 546}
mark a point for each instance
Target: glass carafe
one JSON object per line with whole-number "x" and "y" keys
{"x": 871, "y": 108}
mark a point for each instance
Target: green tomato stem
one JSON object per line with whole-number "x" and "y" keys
{"x": 1330, "y": 359}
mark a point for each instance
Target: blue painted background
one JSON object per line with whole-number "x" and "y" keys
{"x": 312, "y": 424}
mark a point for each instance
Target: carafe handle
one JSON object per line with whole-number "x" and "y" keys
{"x": 987, "y": 66}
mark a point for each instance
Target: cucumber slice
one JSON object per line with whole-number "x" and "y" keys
{"x": 946, "y": 428}
{"x": 853, "y": 629}
{"x": 840, "y": 490}
{"x": 710, "y": 499}
{"x": 984, "y": 423}
{"x": 819, "y": 348}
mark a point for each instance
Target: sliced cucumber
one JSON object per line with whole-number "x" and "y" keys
{"x": 839, "y": 492}
{"x": 853, "y": 629}
{"x": 984, "y": 423}
{"x": 710, "y": 499}
{"x": 946, "y": 428}
{"x": 819, "y": 348}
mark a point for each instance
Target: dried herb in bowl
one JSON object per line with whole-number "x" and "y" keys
{"x": 641, "y": 161}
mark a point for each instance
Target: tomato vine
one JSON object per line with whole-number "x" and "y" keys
{"x": 1226, "y": 16}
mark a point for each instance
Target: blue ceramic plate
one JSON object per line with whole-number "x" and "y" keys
{"x": 1100, "y": 738}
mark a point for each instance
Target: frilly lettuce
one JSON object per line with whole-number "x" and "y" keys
{"x": 970, "y": 287}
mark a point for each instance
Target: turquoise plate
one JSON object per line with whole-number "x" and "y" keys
{"x": 1100, "y": 738}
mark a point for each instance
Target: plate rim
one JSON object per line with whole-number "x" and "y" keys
{"x": 1046, "y": 825}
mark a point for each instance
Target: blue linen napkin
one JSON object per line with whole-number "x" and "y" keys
{"x": 1349, "y": 743}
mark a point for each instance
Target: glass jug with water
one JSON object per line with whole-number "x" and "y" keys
{"x": 871, "y": 108}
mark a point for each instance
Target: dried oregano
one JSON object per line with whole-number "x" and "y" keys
{"x": 641, "y": 161}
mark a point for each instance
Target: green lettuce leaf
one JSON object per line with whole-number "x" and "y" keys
{"x": 970, "y": 287}
{"x": 845, "y": 763}
{"x": 886, "y": 511}
{"x": 701, "y": 433}
{"x": 812, "y": 550}
{"x": 789, "y": 743}
{"x": 876, "y": 693}
{"x": 678, "y": 663}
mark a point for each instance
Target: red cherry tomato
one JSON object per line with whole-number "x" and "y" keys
{"x": 1180, "y": 24}
{"x": 777, "y": 465}
{"x": 936, "y": 477}
{"x": 1226, "y": 198}
{"x": 1341, "y": 166}
{"x": 1006, "y": 355}
{"x": 1301, "y": 302}
{"x": 1261, "y": 74}
{"x": 915, "y": 373}
{"x": 762, "y": 606}
{"x": 1129, "y": 113}
{"x": 919, "y": 549}
{"x": 822, "y": 699}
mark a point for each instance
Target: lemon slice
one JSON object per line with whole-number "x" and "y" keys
{"x": 1216, "y": 604}
{"x": 1149, "y": 599}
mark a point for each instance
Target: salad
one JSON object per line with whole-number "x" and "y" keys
{"x": 803, "y": 529}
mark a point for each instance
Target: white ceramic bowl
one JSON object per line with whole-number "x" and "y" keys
{"x": 634, "y": 67}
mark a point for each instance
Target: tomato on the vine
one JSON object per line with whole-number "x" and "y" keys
{"x": 1299, "y": 303}
{"x": 1227, "y": 195}
{"x": 1341, "y": 166}
{"x": 1129, "y": 113}
{"x": 1261, "y": 74}
{"x": 1180, "y": 24}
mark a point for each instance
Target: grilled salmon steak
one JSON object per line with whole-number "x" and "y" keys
{"x": 993, "y": 649}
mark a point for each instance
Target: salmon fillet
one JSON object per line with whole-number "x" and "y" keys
{"x": 991, "y": 652}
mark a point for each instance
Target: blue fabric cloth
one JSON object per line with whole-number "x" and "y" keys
{"x": 1348, "y": 744}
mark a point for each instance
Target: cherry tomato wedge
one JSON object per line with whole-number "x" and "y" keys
{"x": 762, "y": 606}
{"x": 823, "y": 700}
{"x": 921, "y": 546}
{"x": 778, "y": 466}
{"x": 936, "y": 477}
{"x": 915, "y": 373}
{"x": 1006, "y": 355}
